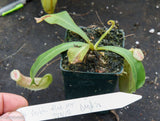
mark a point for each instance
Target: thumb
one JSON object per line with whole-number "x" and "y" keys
{"x": 12, "y": 116}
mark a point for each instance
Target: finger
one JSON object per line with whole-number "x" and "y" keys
{"x": 11, "y": 102}
{"x": 13, "y": 116}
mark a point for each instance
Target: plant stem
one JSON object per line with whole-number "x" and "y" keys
{"x": 110, "y": 22}
{"x": 91, "y": 46}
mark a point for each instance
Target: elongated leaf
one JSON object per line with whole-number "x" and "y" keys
{"x": 77, "y": 54}
{"x": 135, "y": 70}
{"x": 64, "y": 19}
{"x": 140, "y": 74}
{"x": 50, "y": 54}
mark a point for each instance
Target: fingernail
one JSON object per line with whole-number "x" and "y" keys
{"x": 16, "y": 116}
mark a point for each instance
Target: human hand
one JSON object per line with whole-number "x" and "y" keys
{"x": 8, "y": 104}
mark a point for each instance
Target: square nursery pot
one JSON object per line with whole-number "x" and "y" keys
{"x": 81, "y": 84}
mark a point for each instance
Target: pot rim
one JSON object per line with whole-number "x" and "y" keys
{"x": 83, "y": 72}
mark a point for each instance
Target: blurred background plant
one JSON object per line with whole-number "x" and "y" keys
{"x": 49, "y": 5}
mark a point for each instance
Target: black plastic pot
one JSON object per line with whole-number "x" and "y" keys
{"x": 82, "y": 84}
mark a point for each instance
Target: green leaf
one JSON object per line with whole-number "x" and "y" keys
{"x": 49, "y": 55}
{"x": 77, "y": 54}
{"x": 140, "y": 74}
{"x": 64, "y": 19}
{"x": 135, "y": 73}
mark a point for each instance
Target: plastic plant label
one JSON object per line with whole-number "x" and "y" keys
{"x": 78, "y": 106}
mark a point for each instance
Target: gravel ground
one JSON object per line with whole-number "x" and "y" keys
{"x": 22, "y": 40}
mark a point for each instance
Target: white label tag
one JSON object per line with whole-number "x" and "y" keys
{"x": 78, "y": 106}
